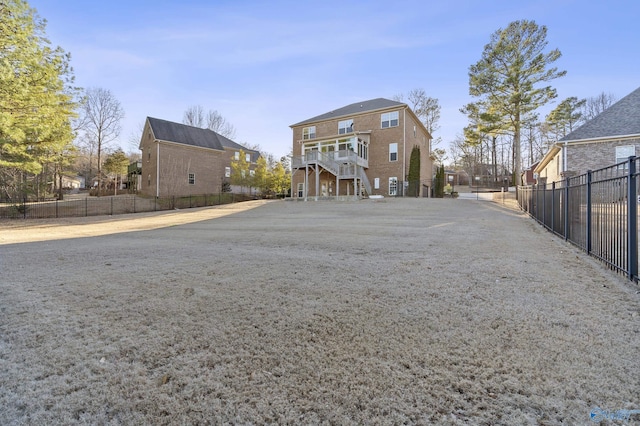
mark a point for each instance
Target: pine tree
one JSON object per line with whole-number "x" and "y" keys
{"x": 414, "y": 172}
{"x": 510, "y": 73}
{"x": 36, "y": 96}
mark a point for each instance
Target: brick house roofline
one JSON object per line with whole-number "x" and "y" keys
{"x": 372, "y": 105}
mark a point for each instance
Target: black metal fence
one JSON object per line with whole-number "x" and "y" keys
{"x": 111, "y": 205}
{"x": 597, "y": 211}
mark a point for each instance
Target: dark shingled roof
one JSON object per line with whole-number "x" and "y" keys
{"x": 356, "y": 108}
{"x": 189, "y": 135}
{"x": 181, "y": 133}
{"x": 620, "y": 119}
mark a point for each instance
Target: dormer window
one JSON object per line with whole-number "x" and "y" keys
{"x": 345, "y": 126}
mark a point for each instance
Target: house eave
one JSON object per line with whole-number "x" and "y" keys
{"x": 369, "y": 111}
{"x": 601, "y": 139}
{"x": 188, "y": 145}
{"x": 548, "y": 157}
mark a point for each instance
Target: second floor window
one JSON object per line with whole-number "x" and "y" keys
{"x": 236, "y": 156}
{"x": 192, "y": 178}
{"x": 309, "y": 132}
{"x": 389, "y": 119}
{"x": 345, "y": 126}
{"x": 227, "y": 172}
{"x": 393, "y": 152}
{"x": 247, "y": 158}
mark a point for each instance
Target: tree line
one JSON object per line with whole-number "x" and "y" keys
{"x": 510, "y": 83}
{"x": 49, "y": 128}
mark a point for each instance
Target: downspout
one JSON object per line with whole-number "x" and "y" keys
{"x": 404, "y": 146}
{"x": 564, "y": 157}
{"x": 158, "y": 169}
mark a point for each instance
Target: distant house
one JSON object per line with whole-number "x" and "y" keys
{"x": 529, "y": 175}
{"x": 360, "y": 149}
{"x": 181, "y": 160}
{"x": 72, "y": 182}
{"x": 134, "y": 176}
{"x": 609, "y": 138}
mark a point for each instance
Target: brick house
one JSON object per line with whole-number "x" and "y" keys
{"x": 359, "y": 149}
{"x": 609, "y": 138}
{"x": 181, "y": 160}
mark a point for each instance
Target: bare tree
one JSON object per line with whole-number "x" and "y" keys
{"x": 195, "y": 116}
{"x": 101, "y": 116}
{"x": 597, "y": 104}
{"x": 426, "y": 108}
{"x": 135, "y": 136}
{"x": 217, "y": 123}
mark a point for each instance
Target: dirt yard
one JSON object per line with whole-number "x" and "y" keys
{"x": 392, "y": 311}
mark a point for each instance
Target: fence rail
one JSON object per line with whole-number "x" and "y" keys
{"x": 596, "y": 211}
{"x": 111, "y": 205}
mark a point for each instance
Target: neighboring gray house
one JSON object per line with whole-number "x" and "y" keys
{"x": 609, "y": 138}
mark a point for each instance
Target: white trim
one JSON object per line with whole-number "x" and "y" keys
{"x": 404, "y": 145}
{"x": 612, "y": 138}
{"x": 157, "y": 169}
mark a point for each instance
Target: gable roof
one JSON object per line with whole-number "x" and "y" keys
{"x": 183, "y": 134}
{"x": 620, "y": 119}
{"x": 352, "y": 109}
{"x": 188, "y": 135}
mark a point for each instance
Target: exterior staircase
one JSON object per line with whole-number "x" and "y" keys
{"x": 346, "y": 168}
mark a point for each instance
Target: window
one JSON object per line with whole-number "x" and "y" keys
{"x": 376, "y": 183}
{"x": 309, "y": 132}
{"x": 149, "y": 156}
{"x": 363, "y": 151}
{"x": 252, "y": 173}
{"x": 236, "y": 156}
{"x": 414, "y": 131}
{"x": 393, "y": 152}
{"x": 345, "y": 126}
{"x": 624, "y": 152}
{"x": 300, "y": 190}
{"x": 345, "y": 144}
{"x": 393, "y": 186}
{"x": 247, "y": 158}
{"x": 227, "y": 172}
{"x": 192, "y": 178}
{"x": 389, "y": 119}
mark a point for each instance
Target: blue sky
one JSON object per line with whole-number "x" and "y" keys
{"x": 266, "y": 65}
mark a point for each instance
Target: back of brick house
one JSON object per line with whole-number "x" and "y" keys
{"x": 358, "y": 150}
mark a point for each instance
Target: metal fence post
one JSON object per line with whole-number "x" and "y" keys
{"x": 632, "y": 220}
{"x": 553, "y": 206}
{"x": 589, "y": 200}
{"x": 566, "y": 209}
